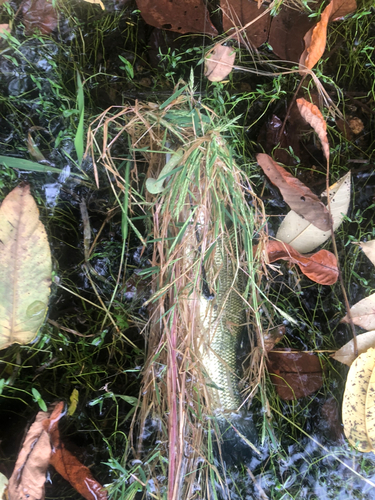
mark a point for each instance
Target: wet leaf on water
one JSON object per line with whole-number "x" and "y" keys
{"x": 363, "y": 313}
{"x": 358, "y": 406}
{"x": 219, "y": 62}
{"x": 304, "y": 236}
{"x": 369, "y": 249}
{"x": 29, "y": 474}
{"x": 25, "y": 271}
{"x": 39, "y": 15}
{"x": 294, "y": 374}
{"x": 191, "y": 16}
{"x": 315, "y": 119}
{"x": 315, "y": 41}
{"x": 320, "y": 267}
{"x": 332, "y": 418}
{"x": 67, "y": 465}
{"x": 346, "y": 354}
{"x": 298, "y": 196}
{"x": 239, "y": 13}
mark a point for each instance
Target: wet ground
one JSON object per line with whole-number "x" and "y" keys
{"x": 78, "y": 348}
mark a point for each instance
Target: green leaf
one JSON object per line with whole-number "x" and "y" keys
{"x": 22, "y": 164}
{"x": 25, "y": 268}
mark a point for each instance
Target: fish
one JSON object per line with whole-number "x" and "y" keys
{"x": 223, "y": 318}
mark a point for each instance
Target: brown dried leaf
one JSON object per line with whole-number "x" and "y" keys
{"x": 320, "y": 267}
{"x": 68, "y": 465}
{"x": 315, "y": 41}
{"x": 294, "y": 374}
{"x": 39, "y": 15}
{"x": 298, "y": 196}
{"x": 219, "y": 62}
{"x": 238, "y": 13}
{"x": 314, "y": 117}
{"x": 189, "y": 16}
{"x": 29, "y": 475}
{"x": 342, "y": 8}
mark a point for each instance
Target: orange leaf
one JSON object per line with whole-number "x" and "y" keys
{"x": 315, "y": 41}
{"x": 67, "y": 465}
{"x": 29, "y": 475}
{"x": 294, "y": 374}
{"x": 314, "y": 117}
{"x": 320, "y": 267}
{"x": 298, "y": 196}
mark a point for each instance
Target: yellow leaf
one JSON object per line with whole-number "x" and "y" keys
{"x": 97, "y": 2}
{"x": 74, "y": 397}
{"x": 25, "y": 268}
{"x": 355, "y": 404}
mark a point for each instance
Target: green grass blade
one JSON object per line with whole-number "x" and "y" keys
{"x": 79, "y": 138}
{"x": 31, "y": 166}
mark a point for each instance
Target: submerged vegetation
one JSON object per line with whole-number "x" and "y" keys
{"x": 129, "y": 96}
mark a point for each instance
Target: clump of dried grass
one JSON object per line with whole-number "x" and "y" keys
{"x": 204, "y": 191}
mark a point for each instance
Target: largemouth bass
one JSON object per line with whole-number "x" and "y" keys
{"x": 222, "y": 321}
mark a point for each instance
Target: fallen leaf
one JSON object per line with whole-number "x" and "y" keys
{"x": 320, "y": 267}
{"x": 358, "y": 405}
{"x": 219, "y": 62}
{"x": 67, "y": 465}
{"x": 272, "y": 337}
{"x": 3, "y": 485}
{"x": 239, "y": 13}
{"x": 315, "y": 41}
{"x": 363, "y": 313}
{"x": 189, "y": 16}
{"x": 304, "y": 236}
{"x": 29, "y": 474}
{"x": 39, "y": 15}
{"x": 298, "y": 196}
{"x": 342, "y": 8}
{"x": 25, "y": 271}
{"x": 287, "y": 31}
{"x": 4, "y": 27}
{"x": 369, "y": 249}
{"x": 356, "y": 125}
{"x": 331, "y": 415}
{"x": 294, "y": 374}
{"x": 314, "y": 117}
{"x": 346, "y": 354}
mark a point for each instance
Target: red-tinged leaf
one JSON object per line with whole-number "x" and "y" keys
{"x": 239, "y": 13}
{"x": 29, "y": 475}
{"x": 67, "y": 465}
{"x": 219, "y": 62}
{"x": 298, "y": 196}
{"x": 320, "y": 267}
{"x": 187, "y": 16}
{"x": 294, "y": 374}
{"x": 342, "y": 8}
{"x": 39, "y": 15}
{"x": 315, "y": 41}
{"x": 315, "y": 119}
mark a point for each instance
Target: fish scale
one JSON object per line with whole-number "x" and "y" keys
{"x": 222, "y": 320}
